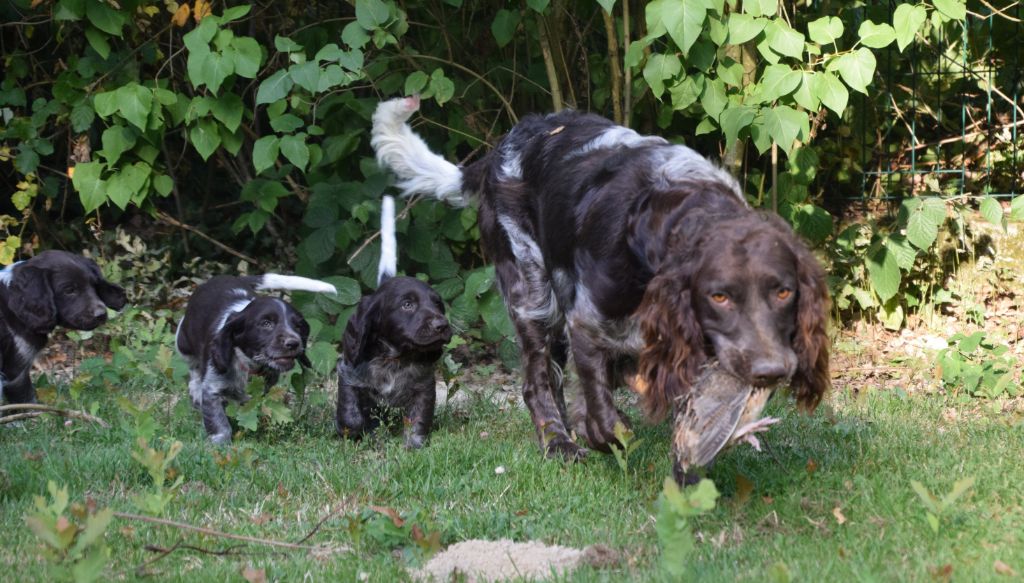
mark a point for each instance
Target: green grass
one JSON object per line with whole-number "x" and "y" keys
{"x": 865, "y": 454}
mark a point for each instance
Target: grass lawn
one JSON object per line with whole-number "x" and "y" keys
{"x": 832, "y": 501}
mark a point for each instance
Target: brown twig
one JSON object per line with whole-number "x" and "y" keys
{"x": 36, "y": 410}
{"x": 228, "y": 535}
{"x": 323, "y": 520}
{"x": 549, "y": 64}
{"x": 613, "y": 64}
{"x": 176, "y": 223}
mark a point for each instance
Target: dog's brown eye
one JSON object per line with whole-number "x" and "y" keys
{"x": 784, "y": 293}
{"x": 266, "y": 324}
{"x": 407, "y": 305}
{"x": 719, "y": 298}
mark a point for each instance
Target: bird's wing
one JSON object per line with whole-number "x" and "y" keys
{"x": 709, "y": 417}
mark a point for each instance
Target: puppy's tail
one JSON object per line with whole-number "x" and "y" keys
{"x": 388, "y": 266}
{"x": 292, "y": 282}
{"x": 419, "y": 170}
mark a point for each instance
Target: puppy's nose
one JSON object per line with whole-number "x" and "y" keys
{"x": 765, "y": 373}
{"x": 99, "y": 314}
{"x": 439, "y": 324}
{"x": 292, "y": 343}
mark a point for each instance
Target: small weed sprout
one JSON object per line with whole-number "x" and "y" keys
{"x": 937, "y": 507}
{"x": 676, "y": 508}
{"x": 265, "y": 404}
{"x": 629, "y": 443}
{"x": 978, "y": 365}
{"x": 158, "y": 464}
{"x": 74, "y": 544}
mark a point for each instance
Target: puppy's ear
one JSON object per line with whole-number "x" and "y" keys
{"x": 32, "y": 299}
{"x": 111, "y": 294}
{"x": 222, "y": 348}
{"x": 361, "y": 330}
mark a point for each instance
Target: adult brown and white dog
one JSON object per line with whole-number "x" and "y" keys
{"x": 611, "y": 246}
{"x": 54, "y": 288}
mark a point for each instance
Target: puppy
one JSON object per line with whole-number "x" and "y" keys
{"x": 54, "y": 288}
{"x": 228, "y": 333}
{"x": 391, "y": 344}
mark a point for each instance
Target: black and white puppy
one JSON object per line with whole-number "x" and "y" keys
{"x": 391, "y": 344}
{"x": 229, "y": 332}
{"x": 54, "y": 288}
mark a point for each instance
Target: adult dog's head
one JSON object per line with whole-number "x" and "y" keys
{"x": 744, "y": 289}
{"x": 268, "y": 331}
{"x": 57, "y": 288}
{"x": 404, "y": 316}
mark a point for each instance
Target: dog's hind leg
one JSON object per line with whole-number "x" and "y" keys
{"x": 596, "y": 370}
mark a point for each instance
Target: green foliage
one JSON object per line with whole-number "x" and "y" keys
{"x": 979, "y": 366}
{"x": 73, "y": 538}
{"x": 413, "y": 533}
{"x": 676, "y": 509}
{"x": 935, "y": 507}
{"x": 629, "y": 443}
{"x": 158, "y": 465}
{"x": 264, "y": 403}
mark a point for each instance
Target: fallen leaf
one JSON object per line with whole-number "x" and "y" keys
{"x": 261, "y": 519}
{"x": 944, "y": 572}
{"x": 744, "y": 487}
{"x": 1003, "y": 569}
{"x": 767, "y": 499}
{"x": 254, "y": 575}
{"x": 181, "y": 16}
{"x": 812, "y": 466}
{"x": 838, "y": 513}
{"x": 522, "y": 512}
{"x": 390, "y": 513}
{"x": 33, "y": 456}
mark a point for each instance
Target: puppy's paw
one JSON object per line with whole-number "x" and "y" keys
{"x": 415, "y": 441}
{"x": 600, "y": 433}
{"x": 564, "y": 449}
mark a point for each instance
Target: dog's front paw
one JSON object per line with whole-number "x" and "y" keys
{"x": 222, "y": 438}
{"x": 600, "y": 432}
{"x": 415, "y": 441}
{"x": 564, "y": 449}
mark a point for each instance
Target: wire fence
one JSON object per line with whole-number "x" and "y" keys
{"x": 948, "y": 118}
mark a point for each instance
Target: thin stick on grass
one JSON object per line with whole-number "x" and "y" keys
{"x": 35, "y": 410}
{"x": 230, "y": 536}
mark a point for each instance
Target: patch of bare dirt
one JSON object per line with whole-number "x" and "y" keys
{"x": 482, "y": 561}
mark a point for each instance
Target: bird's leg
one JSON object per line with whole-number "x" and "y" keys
{"x": 746, "y": 433}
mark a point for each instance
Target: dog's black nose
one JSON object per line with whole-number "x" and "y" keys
{"x": 440, "y": 324}
{"x": 765, "y": 373}
{"x": 292, "y": 343}
{"x": 100, "y": 314}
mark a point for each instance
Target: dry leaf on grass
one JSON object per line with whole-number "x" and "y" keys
{"x": 254, "y": 575}
{"x": 1003, "y": 569}
{"x": 390, "y": 513}
{"x": 838, "y": 513}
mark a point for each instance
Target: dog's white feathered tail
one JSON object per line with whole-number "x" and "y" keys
{"x": 388, "y": 265}
{"x": 419, "y": 170}
{"x": 295, "y": 283}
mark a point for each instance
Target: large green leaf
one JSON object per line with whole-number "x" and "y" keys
{"x": 906, "y": 21}
{"x": 1017, "y": 208}
{"x": 504, "y": 26}
{"x": 874, "y": 35}
{"x": 825, "y": 30}
{"x": 264, "y": 152}
{"x": 952, "y": 9}
{"x": 784, "y": 40}
{"x": 274, "y": 87}
{"x": 123, "y": 185}
{"x": 714, "y": 98}
{"x": 306, "y": 75}
{"x": 98, "y": 42}
{"x": 831, "y": 92}
{"x": 682, "y": 20}
{"x": 991, "y": 210}
{"x": 372, "y": 14}
{"x": 205, "y": 137}
{"x": 247, "y": 57}
{"x": 134, "y": 104}
{"x": 214, "y": 69}
{"x": 734, "y": 119}
{"x": 105, "y": 18}
{"x": 117, "y": 139}
{"x": 778, "y": 81}
{"x": 805, "y": 94}
{"x": 785, "y": 124}
{"x": 659, "y": 69}
{"x": 883, "y": 272}
{"x": 227, "y": 109}
{"x": 921, "y": 231}
{"x": 686, "y": 92}
{"x": 90, "y": 186}
{"x": 856, "y": 68}
{"x": 743, "y": 27}
{"x": 294, "y": 148}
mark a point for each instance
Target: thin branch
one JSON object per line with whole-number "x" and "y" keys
{"x": 613, "y": 64}
{"x": 37, "y": 409}
{"x": 176, "y": 223}
{"x": 549, "y": 64}
{"x": 627, "y": 83}
{"x": 228, "y": 535}
{"x": 326, "y": 517}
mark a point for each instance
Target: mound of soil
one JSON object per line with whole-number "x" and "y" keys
{"x": 484, "y": 561}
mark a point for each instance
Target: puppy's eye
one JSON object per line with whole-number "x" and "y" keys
{"x": 408, "y": 305}
{"x": 784, "y": 294}
{"x": 266, "y": 324}
{"x": 719, "y": 298}
{"x": 70, "y": 290}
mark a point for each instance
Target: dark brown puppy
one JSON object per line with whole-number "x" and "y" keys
{"x": 54, "y": 288}
{"x": 610, "y": 244}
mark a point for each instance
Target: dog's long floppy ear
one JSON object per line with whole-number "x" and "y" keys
{"x": 673, "y": 342}
{"x": 361, "y": 330}
{"x": 111, "y": 294}
{"x": 32, "y": 299}
{"x": 811, "y": 342}
{"x": 222, "y": 348}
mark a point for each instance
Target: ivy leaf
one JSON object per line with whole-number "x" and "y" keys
{"x": 354, "y": 35}
{"x": 687, "y": 91}
{"x": 98, "y": 42}
{"x": 105, "y": 18}
{"x": 831, "y": 92}
{"x": 504, "y": 26}
{"x": 264, "y": 152}
{"x": 730, "y": 71}
{"x": 274, "y": 88}
{"x": 442, "y": 87}
{"x": 247, "y": 56}
{"x": 306, "y": 75}
{"x": 784, "y": 40}
{"x": 123, "y": 185}
{"x": 215, "y": 68}
{"x": 286, "y": 123}
{"x": 135, "y": 103}
{"x": 91, "y": 188}
{"x": 991, "y": 210}
{"x": 825, "y": 30}
{"x": 371, "y": 14}
{"x": 117, "y": 139}
{"x": 734, "y": 119}
{"x": 284, "y": 44}
{"x": 778, "y": 81}
{"x": 785, "y": 124}
{"x": 227, "y": 109}
{"x": 415, "y": 82}
{"x": 744, "y": 27}
{"x": 295, "y": 150}
{"x": 683, "y": 21}
{"x": 105, "y": 103}
{"x": 805, "y": 95}
{"x": 163, "y": 184}
{"x": 906, "y": 21}
{"x": 205, "y": 137}
{"x": 659, "y": 68}
{"x": 883, "y": 272}
{"x": 874, "y": 35}
{"x": 952, "y": 9}
{"x": 714, "y": 99}
{"x": 857, "y": 69}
